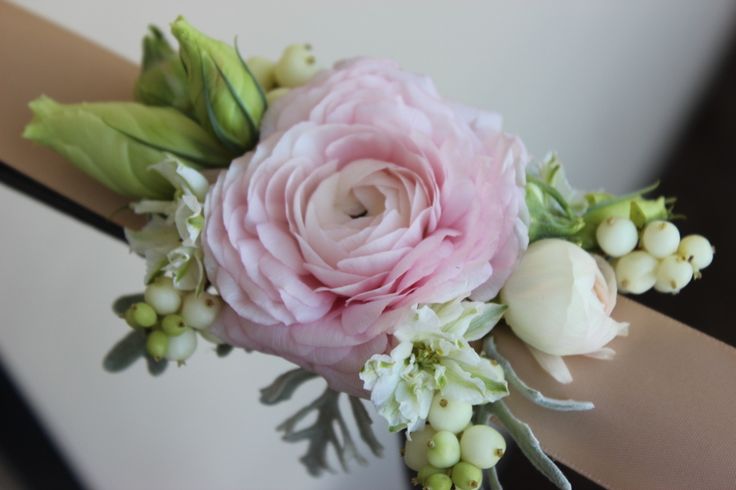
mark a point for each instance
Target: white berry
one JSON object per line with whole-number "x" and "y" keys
{"x": 673, "y": 274}
{"x": 163, "y": 296}
{"x": 182, "y": 346}
{"x": 482, "y": 446}
{"x": 273, "y": 95}
{"x": 450, "y": 415}
{"x": 617, "y": 236}
{"x": 200, "y": 311}
{"x": 660, "y": 238}
{"x": 636, "y": 272}
{"x": 415, "y": 450}
{"x": 262, "y": 70}
{"x": 697, "y": 250}
{"x": 296, "y": 66}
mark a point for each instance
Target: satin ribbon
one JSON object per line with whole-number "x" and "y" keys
{"x": 664, "y": 416}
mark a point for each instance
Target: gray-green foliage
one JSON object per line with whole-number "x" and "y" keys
{"x": 330, "y": 429}
{"x": 527, "y": 392}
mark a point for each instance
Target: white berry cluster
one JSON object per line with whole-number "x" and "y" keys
{"x": 172, "y": 319}
{"x": 450, "y": 450}
{"x": 662, "y": 260}
{"x": 296, "y": 67}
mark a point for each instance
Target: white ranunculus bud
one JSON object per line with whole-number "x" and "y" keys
{"x": 559, "y": 301}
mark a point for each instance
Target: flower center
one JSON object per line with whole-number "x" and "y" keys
{"x": 426, "y": 358}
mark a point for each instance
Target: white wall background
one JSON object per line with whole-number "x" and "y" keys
{"x": 606, "y": 84}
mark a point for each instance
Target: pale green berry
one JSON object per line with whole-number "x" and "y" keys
{"x": 275, "y": 94}
{"x": 636, "y": 272}
{"x": 673, "y": 274}
{"x": 141, "y": 315}
{"x": 449, "y": 415}
{"x": 465, "y": 476}
{"x": 426, "y": 472}
{"x": 415, "y": 450}
{"x": 173, "y": 325}
{"x": 697, "y": 250}
{"x": 660, "y": 238}
{"x": 163, "y": 296}
{"x": 438, "y": 481}
{"x": 157, "y": 344}
{"x": 262, "y": 70}
{"x": 482, "y": 446}
{"x": 617, "y": 236}
{"x": 199, "y": 311}
{"x": 296, "y": 66}
{"x": 443, "y": 450}
{"x": 129, "y": 318}
{"x": 182, "y": 346}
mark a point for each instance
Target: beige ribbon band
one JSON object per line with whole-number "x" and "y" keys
{"x": 664, "y": 416}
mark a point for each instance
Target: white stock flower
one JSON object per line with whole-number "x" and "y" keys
{"x": 171, "y": 240}
{"x": 434, "y": 354}
{"x": 559, "y": 301}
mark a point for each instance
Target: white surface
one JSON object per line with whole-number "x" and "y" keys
{"x": 605, "y": 83}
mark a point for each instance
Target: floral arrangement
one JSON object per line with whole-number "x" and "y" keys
{"x": 355, "y": 222}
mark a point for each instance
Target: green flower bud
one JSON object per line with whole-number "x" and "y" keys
{"x": 163, "y": 81}
{"x": 117, "y": 142}
{"x": 227, "y": 98}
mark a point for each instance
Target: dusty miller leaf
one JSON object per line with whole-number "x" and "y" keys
{"x": 529, "y": 393}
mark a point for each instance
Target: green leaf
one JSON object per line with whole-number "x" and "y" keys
{"x": 121, "y": 305}
{"x": 125, "y": 352}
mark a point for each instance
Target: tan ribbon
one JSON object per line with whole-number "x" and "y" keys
{"x": 664, "y": 416}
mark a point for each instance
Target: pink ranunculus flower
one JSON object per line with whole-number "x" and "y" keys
{"x": 367, "y": 195}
